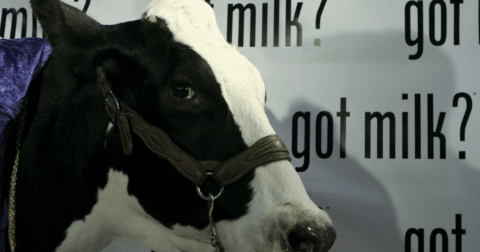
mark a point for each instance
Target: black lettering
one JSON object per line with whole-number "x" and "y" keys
{"x": 405, "y": 135}
{"x": 319, "y": 135}
{"x": 443, "y": 22}
{"x": 289, "y": 23}
{"x": 438, "y": 130}
{"x": 264, "y": 24}
{"x": 208, "y": 1}
{"x": 34, "y": 26}
{"x": 418, "y": 128}
{"x": 87, "y": 4}
{"x": 241, "y": 17}
{"x": 468, "y": 111}
{"x": 408, "y": 29}
{"x": 408, "y": 239}
{"x": 306, "y": 148}
{"x": 13, "y": 29}
{"x": 433, "y": 239}
{"x": 380, "y": 118}
{"x": 456, "y": 21}
{"x": 458, "y": 232}
{"x": 276, "y": 23}
{"x": 319, "y": 14}
{"x": 405, "y": 131}
{"x": 343, "y": 114}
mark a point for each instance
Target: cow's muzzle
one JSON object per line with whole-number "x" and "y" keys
{"x": 305, "y": 238}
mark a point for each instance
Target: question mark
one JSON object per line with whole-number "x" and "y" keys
{"x": 468, "y": 110}
{"x": 85, "y": 7}
{"x": 317, "y": 20}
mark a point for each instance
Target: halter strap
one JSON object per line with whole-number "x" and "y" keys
{"x": 267, "y": 150}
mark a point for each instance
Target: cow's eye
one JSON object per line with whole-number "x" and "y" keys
{"x": 182, "y": 91}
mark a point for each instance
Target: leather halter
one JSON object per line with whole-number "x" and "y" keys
{"x": 267, "y": 150}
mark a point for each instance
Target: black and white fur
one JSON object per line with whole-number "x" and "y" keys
{"x": 77, "y": 191}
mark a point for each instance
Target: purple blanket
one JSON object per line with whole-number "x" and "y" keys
{"x": 20, "y": 61}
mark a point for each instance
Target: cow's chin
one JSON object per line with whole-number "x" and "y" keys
{"x": 274, "y": 231}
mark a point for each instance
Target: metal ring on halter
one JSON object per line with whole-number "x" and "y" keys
{"x": 117, "y": 107}
{"x": 208, "y": 198}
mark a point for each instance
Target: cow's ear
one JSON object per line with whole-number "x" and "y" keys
{"x": 64, "y": 24}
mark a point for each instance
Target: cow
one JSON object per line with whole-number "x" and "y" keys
{"x": 122, "y": 115}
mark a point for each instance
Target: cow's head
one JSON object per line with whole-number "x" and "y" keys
{"x": 175, "y": 69}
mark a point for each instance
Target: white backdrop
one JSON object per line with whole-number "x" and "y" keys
{"x": 362, "y": 57}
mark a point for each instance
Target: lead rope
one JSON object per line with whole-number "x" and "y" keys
{"x": 214, "y": 238}
{"x": 213, "y": 229}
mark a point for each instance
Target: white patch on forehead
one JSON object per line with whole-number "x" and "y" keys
{"x": 193, "y": 23}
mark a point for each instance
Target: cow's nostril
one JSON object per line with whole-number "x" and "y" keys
{"x": 304, "y": 239}
{"x": 307, "y": 239}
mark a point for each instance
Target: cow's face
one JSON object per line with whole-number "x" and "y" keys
{"x": 280, "y": 215}
{"x": 177, "y": 71}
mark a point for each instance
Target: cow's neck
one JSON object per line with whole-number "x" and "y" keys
{"x": 119, "y": 215}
